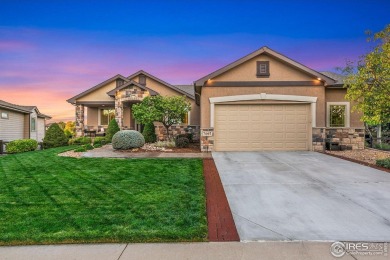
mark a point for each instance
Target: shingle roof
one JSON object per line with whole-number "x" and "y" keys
{"x": 187, "y": 88}
{"x": 338, "y": 77}
{"x": 23, "y": 109}
{"x": 10, "y": 106}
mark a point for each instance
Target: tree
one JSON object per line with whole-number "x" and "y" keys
{"x": 61, "y": 125}
{"x": 167, "y": 110}
{"x": 54, "y": 137}
{"x": 112, "y": 129}
{"x": 70, "y": 129}
{"x": 368, "y": 82}
{"x": 149, "y": 133}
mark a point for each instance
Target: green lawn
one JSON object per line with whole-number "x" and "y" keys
{"x": 45, "y": 199}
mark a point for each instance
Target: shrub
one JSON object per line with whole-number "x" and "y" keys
{"x": 168, "y": 144}
{"x": 88, "y": 146}
{"x": 97, "y": 145}
{"x": 99, "y": 140}
{"x": 20, "y": 146}
{"x": 149, "y": 133}
{"x": 182, "y": 142}
{"x": 80, "y": 140}
{"x": 384, "y": 163}
{"x": 383, "y": 146}
{"x": 80, "y": 149}
{"x": 127, "y": 139}
{"x": 112, "y": 129}
{"x": 68, "y": 133}
{"x": 55, "y": 137}
{"x": 187, "y": 135}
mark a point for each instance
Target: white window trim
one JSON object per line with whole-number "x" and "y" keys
{"x": 35, "y": 129}
{"x": 347, "y": 113}
{"x": 6, "y": 115}
{"x": 264, "y": 96}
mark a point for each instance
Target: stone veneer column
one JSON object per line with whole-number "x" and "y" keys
{"x": 119, "y": 111}
{"x": 207, "y": 139}
{"x": 79, "y": 120}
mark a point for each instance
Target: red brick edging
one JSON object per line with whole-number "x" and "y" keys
{"x": 219, "y": 217}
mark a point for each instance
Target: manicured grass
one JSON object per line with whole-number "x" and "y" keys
{"x": 45, "y": 199}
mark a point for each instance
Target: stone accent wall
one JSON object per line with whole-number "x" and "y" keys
{"x": 175, "y": 130}
{"x": 79, "y": 120}
{"x": 338, "y": 139}
{"x": 119, "y": 112}
{"x": 132, "y": 93}
{"x": 207, "y": 139}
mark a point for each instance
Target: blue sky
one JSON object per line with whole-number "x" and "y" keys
{"x": 58, "y": 49}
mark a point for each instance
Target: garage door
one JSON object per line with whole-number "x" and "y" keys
{"x": 262, "y": 127}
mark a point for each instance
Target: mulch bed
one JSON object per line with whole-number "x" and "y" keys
{"x": 360, "y": 162}
{"x": 192, "y": 148}
{"x": 220, "y": 219}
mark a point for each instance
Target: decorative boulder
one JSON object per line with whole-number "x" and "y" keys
{"x": 127, "y": 139}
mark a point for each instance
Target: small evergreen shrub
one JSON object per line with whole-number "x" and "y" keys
{"x": 68, "y": 133}
{"x": 21, "y": 146}
{"x": 80, "y": 140}
{"x": 97, "y": 145}
{"x": 384, "y": 163}
{"x": 112, "y": 129}
{"x": 55, "y": 137}
{"x": 182, "y": 142}
{"x": 149, "y": 133}
{"x": 88, "y": 146}
{"x": 127, "y": 139}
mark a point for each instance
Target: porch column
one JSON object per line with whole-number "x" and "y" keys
{"x": 119, "y": 112}
{"x": 79, "y": 120}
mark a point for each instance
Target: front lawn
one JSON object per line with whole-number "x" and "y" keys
{"x": 49, "y": 199}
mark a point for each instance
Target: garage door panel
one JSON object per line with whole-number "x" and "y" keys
{"x": 262, "y": 127}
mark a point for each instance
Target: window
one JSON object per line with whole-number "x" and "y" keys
{"x": 33, "y": 124}
{"x": 186, "y": 118}
{"x": 4, "y": 115}
{"x": 262, "y": 69}
{"x": 119, "y": 82}
{"x": 338, "y": 114}
{"x": 106, "y": 115}
{"x": 142, "y": 80}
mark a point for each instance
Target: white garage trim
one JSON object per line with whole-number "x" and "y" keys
{"x": 264, "y": 96}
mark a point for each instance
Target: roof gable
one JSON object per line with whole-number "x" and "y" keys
{"x": 131, "y": 82}
{"x": 265, "y": 50}
{"x": 102, "y": 84}
{"x": 177, "y": 89}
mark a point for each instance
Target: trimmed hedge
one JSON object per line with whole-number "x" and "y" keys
{"x": 21, "y": 146}
{"x": 187, "y": 135}
{"x": 55, "y": 137}
{"x": 80, "y": 140}
{"x": 127, "y": 139}
{"x": 384, "y": 163}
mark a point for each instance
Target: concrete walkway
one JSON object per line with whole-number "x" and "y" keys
{"x": 107, "y": 152}
{"x": 215, "y": 251}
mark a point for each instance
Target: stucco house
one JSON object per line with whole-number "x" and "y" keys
{"x": 21, "y": 122}
{"x": 263, "y": 101}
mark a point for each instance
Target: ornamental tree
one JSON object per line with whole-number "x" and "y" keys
{"x": 368, "y": 82}
{"x": 168, "y": 110}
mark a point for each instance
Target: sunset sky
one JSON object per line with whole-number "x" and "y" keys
{"x": 53, "y": 50}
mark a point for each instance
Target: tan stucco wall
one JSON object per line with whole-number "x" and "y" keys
{"x": 92, "y": 116}
{"x": 337, "y": 95}
{"x": 314, "y": 91}
{"x": 166, "y": 91}
{"x": 99, "y": 94}
{"x": 126, "y": 117}
{"x": 279, "y": 71}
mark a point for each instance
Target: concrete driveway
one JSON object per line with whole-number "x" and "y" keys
{"x": 304, "y": 196}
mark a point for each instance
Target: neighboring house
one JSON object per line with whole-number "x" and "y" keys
{"x": 21, "y": 122}
{"x": 115, "y": 97}
{"x": 263, "y": 101}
